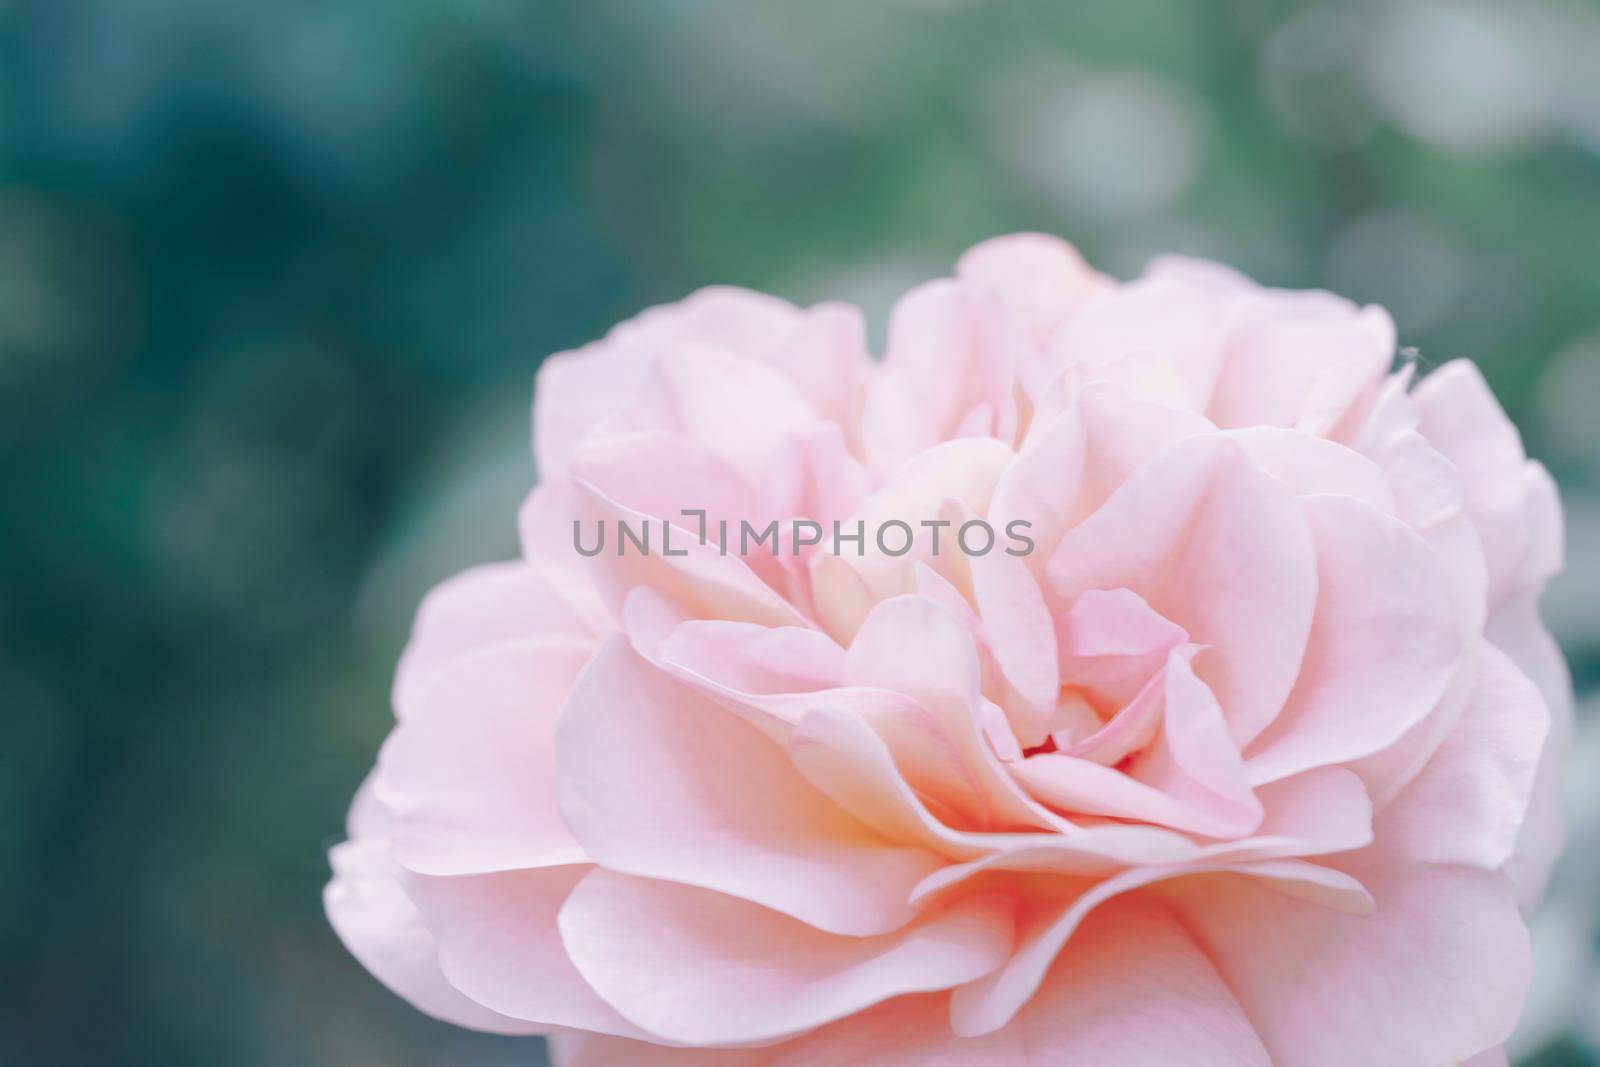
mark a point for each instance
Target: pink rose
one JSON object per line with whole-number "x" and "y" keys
{"x": 1241, "y": 760}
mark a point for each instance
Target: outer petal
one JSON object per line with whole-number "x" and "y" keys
{"x": 380, "y": 926}
{"x": 1514, "y": 506}
{"x": 1380, "y": 590}
{"x": 1468, "y": 804}
{"x": 738, "y": 408}
{"x": 1434, "y": 975}
{"x": 495, "y": 604}
{"x": 1044, "y": 928}
{"x": 577, "y": 391}
{"x": 949, "y": 371}
{"x": 595, "y": 1050}
{"x": 1158, "y": 337}
{"x": 1043, "y": 282}
{"x": 499, "y": 945}
{"x": 1517, "y": 629}
{"x": 1462, "y": 419}
{"x": 1300, "y": 359}
{"x": 658, "y": 781}
{"x": 701, "y": 968}
{"x": 1132, "y": 989}
{"x": 469, "y": 778}
{"x": 1042, "y": 279}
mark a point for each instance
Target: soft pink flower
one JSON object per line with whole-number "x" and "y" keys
{"x": 1244, "y": 764}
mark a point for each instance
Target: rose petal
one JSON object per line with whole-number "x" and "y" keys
{"x": 1468, "y": 804}
{"x": 951, "y": 353}
{"x": 1220, "y": 549}
{"x": 468, "y": 779}
{"x": 499, "y": 945}
{"x": 656, "y": 780}
{"x": 1431, "y": 977}
{"x": 1042, "y": 279}
{"x": 1132, "y": 989}
{"x": 495, "y": 604}
{"x": 704, "y": 580}
{"x": 380, "y": 926}
{"x": 697, "y": 967}
{"x": 1379, "y": 589}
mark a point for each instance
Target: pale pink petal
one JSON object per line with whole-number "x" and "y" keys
{"x": 735, "y": 406}
{"x": 814, "y": 476}
{"x": 1113, "y": 642}
{"x": 1319, "y": 812}
{"x": 914, "y": 518}
{"x": 1309, "y": 465}
{"x": 1379, "y": 589}
{"x": 1194, "y": 760}
{"x": 1435, "y": 974}
{"x": 1132, "y": 989}
{"x": 548, "y": 524}
{"x": 775, "y": 677}
{"x": 848, "y": 756}
{"x": 656, "y": 780}
{"x": 498, "y": 944}
{"x": 703, "y": 580}
{"x": 468, "y": 779}
{"x": 911, "y": 645}
{"x": 1428, "y": 495}
{"x": 744, "y": 658}
{"x": 578, "y": 389}
{"x": 1300, "y": 360}
{"x": 1181, "y": 770}
{"x": 1020, "y": 636}
{"x": 380, "y": 926}
{"x": 1075, "y": 787}
{"x": 627, "y": 468}
{"x": 1514, "y": 508}
{"x": 1078, "y": 730}
{"x": 1222, "y": 550}
{"x": 1041, "y": 278}
{"x": 740, "y": 320}
{"x": 593, "y": 1050}
{"x": 1516, "y": 628}
{"x": 1073, "y": 460}
{"x": 1163, "y": 322}
{"x": 1469, "y": 802}
{"x": 1313, "y": 813}
{"x": 698, "y": 967}
{"x": 951, "y": 353}
{"x": 1042, "y": 487}
{"x": 1126, "y": 430}
{"x": 826, "y": 358}
{"x": 1461, "y": 418}
{"x": 992, "y": 1003}
{"x": 494, "y": 604}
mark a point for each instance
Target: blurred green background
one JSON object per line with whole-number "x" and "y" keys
{"x": 275, "y": 278}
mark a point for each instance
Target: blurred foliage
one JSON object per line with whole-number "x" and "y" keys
{"x": 274, "y": 279}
